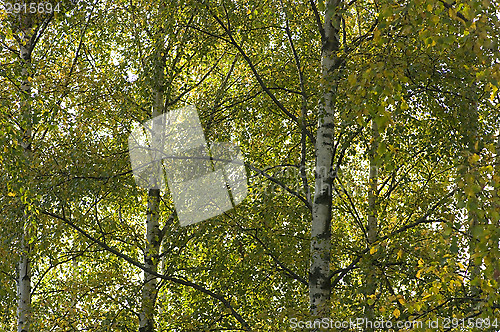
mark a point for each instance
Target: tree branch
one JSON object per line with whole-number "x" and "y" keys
{"x": 226, "y": 303}
{"x": 256, "y": 74}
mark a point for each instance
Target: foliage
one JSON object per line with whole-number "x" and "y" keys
{"x": 425, "y": 71}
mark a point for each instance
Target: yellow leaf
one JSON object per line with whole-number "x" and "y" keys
{"x": 452, "y": 13}
{"x": 351, "y": 79}
{"x": 11, "y": 194}
{"x": 493, "y": 92}
{"x": 488, "y": 169}
{"x": 401, "y": 300}
{"x": 400, "y": 253}
{"x": 474, "y": 158}
{"x": 396, "y": 313}
{"x": 419, "y": 273}
{"x": 373, "y": 250}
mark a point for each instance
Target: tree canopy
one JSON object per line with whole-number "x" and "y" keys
{"x": 370, "y": 133}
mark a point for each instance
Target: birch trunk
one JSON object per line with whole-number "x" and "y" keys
{"x": 153, "y": 234}
{"x": 149, "y": 290}
{"x": 372, "y": 229}
{"x": 319, "y": 281}
{"x": 24, "y": 268}
{"x": 24, "y": 286}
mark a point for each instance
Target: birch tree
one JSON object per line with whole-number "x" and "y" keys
{"x": 319, "y": 92}
{"x": 153, "y": 232}
{"x": 26, "y": 46}
{"x": 319, "y": 274}
{"x": 26, "y": 28}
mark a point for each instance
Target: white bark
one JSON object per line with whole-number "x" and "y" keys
{"x": 24, "y": 268}
{"x": 319, "y": 282}
{"x": 24, "y": 287}
{"x": 153, "y": 236}
{"x": 149, "y": 291}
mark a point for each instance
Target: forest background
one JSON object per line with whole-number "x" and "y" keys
{"x": 370, "y": 133}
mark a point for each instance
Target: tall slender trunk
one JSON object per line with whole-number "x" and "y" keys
{"x": 153, "y": 233}
{"x": 24, "y": 268}
{"x": 372, "y": 229}
{"x": 319, "y": 281}
{"x": 24, "y": 286}
{"x": 149, "y": 291}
